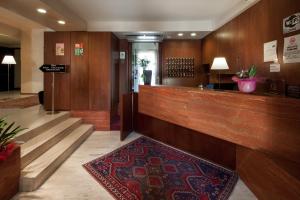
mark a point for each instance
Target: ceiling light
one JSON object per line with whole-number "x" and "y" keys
{"x": 180, "y": 34}
{"x": 41, "y": 10}
{"x": 62, "y": 22}
{"x": 193, "y": 34}
{"x": 146, "y": 37}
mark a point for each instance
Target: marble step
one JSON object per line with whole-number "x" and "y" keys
{"x": 36, "y": 146}
{"x": 37, "y": 126}
{"x": 37, "y": 172}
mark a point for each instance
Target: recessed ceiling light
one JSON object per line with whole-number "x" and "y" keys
{"x": 41, "y": 10}
{"x": 180, "y": 34}
{"x": 193, "y": 34}
{"x": 62, "y": 22}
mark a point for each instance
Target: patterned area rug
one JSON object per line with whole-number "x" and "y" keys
{"x": 147, "y": 169}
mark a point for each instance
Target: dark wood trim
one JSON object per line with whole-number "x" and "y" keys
{"x": 126, "y": 115}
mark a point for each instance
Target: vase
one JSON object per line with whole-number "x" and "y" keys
{"x": 147, "y": 77}
{"x": 246, "y": 85}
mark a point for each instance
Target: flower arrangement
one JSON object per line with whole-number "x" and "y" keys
{"x": 143, "y": 63}
{"x": 146, "y": 76}
{"x": 7, "y": 134}
{"x": 247, "y": 74}
{"x": 246, "y": 79}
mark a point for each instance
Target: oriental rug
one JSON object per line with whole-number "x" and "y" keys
{"x": 147, "y": 169}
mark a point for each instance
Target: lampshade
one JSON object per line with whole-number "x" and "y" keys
{"x": 219, "y": 64}
{"x": 8, "y": 60}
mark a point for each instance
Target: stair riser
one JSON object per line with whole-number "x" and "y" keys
{"x": 27, "y": 159}
{"x": 31, "y": 184}
{"x": 44, "y": 127}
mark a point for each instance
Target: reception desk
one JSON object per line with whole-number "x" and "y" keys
{"x": 261, "y": 134}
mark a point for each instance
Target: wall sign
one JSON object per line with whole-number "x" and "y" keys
{"x": 270, "y": 51}
{"x": 291, "y": 51}
{"x": 275, "y": 67}
{"x": 78, "y": 51}
{"x": 291, "y": 23}
{"x": 122, "y": 55}
{"x": 53, "y": 68}
{"x": 59, "y": 49}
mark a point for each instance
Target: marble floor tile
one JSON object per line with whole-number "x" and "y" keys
{"x": 72, "y": 182}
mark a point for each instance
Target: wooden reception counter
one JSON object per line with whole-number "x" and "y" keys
{"x": 265, "y": 131}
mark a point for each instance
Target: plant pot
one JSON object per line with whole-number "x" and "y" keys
{"x": 147, "y": 77}
{"x": 246, "y": 85}
{"x": 10, "y": 169}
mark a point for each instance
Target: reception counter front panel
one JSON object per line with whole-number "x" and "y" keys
{"x": 268, "y": 124}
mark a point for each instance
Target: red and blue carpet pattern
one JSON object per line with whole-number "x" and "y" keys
{"x": 146, "y": 169}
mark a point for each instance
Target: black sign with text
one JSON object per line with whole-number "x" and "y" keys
{"x": 53, "y": 68}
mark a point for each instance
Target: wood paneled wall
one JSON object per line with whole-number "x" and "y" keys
{"x": 241, "y": 40}
{"x": 62, "y": 80}
{"x": 125, "y": 69}
{"x": 100, "y": 70}
{"x": 80, "y": 72}
{"x": 182, "y": 49}
{"x": 86, "y": 89}
{"x": 115, "y": 76}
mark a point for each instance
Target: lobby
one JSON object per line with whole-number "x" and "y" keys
{"x": 131, "y": 99}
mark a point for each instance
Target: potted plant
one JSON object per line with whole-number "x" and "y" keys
{"x": 147, "y": 74}
{"x": 7, "y": 134}
{"x": 10, "y": 160}
{"x": 246, "y": 80}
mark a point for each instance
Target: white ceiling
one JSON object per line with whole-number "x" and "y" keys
{"x": 185, "y": 15}
{"x": 130, "y": 15}
{"x": 150, "y": 10}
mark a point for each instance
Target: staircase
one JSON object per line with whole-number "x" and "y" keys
{"x": 48, "y": 142}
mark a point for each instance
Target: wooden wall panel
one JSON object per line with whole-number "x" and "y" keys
{"x": 115, "y": 78}
{"x": 126, "y": 115}
{"x": 99, "y": 70}
{"x": 202, "y": 145}
{"x": 100, "y": 119}
{"x": 62, "y": 81}
{"x": 241, "y": 40}
{"x": 79, "y": 73}
{"x": 268, "y": 177}
{"x": 125, "y": 75}
{"x": 267, "y": 124}
{"x": 182, "y": 48}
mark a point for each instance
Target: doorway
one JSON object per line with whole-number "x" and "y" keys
{"x": 149, "y": 53}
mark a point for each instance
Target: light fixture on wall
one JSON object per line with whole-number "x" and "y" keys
{"x": 219, "y": 64}
{"x": 193, "y": 34}
{"x": 180, "y": 34}
{"x": 9, "y": 60}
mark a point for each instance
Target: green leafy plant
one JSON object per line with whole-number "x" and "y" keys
{"x": 250, "y": 73}
{"x": 7, "y": 133}
{"x": 143, "y": 63}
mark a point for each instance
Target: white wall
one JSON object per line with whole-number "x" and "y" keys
{"x": 32, "y": 57}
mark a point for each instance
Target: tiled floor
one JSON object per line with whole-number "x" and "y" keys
{"x": 72, "y": 182}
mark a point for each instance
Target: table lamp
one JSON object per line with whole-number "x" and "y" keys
{"x": 219, "y": 63}
{"x": 9, "y": 60}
